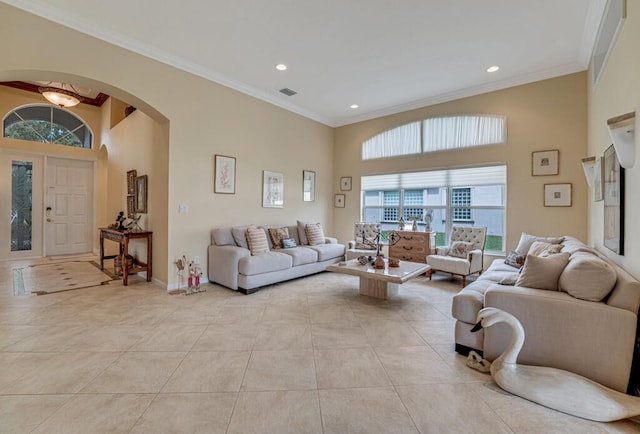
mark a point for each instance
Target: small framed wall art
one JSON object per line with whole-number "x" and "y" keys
{"x": 308, "y": 185}
{"x": 544, "y": 163}
{"x": 272, "y": 189}
{"x": 224, "y": 175}
{"x": 131, "y": 206}
{"x": 557, "y": 195}
{"x": 141, "y": 194}
{"x": 345, "y": 183}
{"x": 131, "y": 182}
{"x": 338, "y": 200}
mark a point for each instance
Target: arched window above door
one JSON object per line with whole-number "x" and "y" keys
{"x": 47, "y": 124}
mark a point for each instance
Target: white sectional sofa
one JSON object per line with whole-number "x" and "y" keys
{"x": 588, "y": 326}
{"x": 231, "y": 263}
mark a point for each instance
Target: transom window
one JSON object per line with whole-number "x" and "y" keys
{"x": 47, "y": 124}
{"x": 437, "y": 134}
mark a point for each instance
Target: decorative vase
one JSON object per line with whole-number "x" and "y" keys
{"x": 414, "y": 227}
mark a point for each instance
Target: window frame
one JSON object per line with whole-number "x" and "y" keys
{"x": 52, "y": 109}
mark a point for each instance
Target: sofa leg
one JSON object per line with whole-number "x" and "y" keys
{"x": 464, "y": 281}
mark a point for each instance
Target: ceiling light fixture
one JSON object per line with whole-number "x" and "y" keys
{"x": 493, "y": 68}
{"x": 281, "y": 67}
{"x": 60, "y": 96}
{"x": 354, "y": 106}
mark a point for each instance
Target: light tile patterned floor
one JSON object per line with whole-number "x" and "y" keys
{"x": 306, "y": 356}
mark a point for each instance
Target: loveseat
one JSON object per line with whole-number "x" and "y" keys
{"x": 233, "y": 264}
{"x": 587, "y": 325}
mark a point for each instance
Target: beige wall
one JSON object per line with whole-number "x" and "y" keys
{"x": 618, "y": 92}
{"x": 201, "y": 119}
{"x": 549, "y": 114}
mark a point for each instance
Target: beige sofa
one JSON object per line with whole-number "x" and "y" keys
{"x": 231, "y": 263}
{"x": 565, "y": 329}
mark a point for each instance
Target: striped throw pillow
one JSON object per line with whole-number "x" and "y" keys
{"x": 257, "y": 240}
{"x": 314, "y": 234}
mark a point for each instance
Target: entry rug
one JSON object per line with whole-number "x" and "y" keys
{"x": 64, "y": 276}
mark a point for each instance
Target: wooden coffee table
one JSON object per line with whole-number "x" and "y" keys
{"x": 380, "y": 283}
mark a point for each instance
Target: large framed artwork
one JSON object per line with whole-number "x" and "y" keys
{"x": 598, "y": 186}
{"x": 308, "y": 185}
{"x": 613, "y": 202}
{"x": 225, "y": 175}
{"x": 272, "y": 189}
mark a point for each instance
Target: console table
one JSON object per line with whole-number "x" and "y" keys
{"x": 122, "y": 237}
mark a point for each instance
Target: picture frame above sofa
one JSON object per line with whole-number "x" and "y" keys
{"x": 272, "y": 189}
{"x": 545, "y": 163}
{"x": 308, "y": 186}
{"x": 557, "y": 194}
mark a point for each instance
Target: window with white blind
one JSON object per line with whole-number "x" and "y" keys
{"x": 470, "y": 197}
{"x": 437, "y": 134}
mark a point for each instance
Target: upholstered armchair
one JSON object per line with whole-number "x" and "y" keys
{"x": 464, "y": 254}
{"x": 365, "y": 240}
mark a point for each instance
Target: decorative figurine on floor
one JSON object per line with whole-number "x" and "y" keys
{"x": 195, "y": 272}
{"x": 554, "y": 388}
{"x": 181, "y": 263}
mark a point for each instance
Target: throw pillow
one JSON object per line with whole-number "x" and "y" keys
{"x": 277, "y": 235}
{"x": 515, "y": 259}
{"x": 526, "y": 240}
{"x": 239, "y": 234}
{"x": 315, "y": 235}
{"x": 223, "y": 237}
{"x": 288, "y": 243}
{"x": 460, "y": 249}
{"x": 257, "y": 240}
{"x": 542, "y": 272}
{"x": 542, "y": 248}
{"x": 588, "y": 277}
{"x": 302, "y": 234}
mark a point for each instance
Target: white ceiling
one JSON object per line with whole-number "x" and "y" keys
{"x": 387, "y": 56}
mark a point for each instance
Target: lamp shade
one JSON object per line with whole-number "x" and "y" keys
{"x": 60, "y": 97}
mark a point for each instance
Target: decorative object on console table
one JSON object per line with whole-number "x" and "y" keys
{"x": 557, "y": 195}
{"x": 224, "y": 175}
{"x": 345, "y": 183}
{"x": 272, "y": 189}
{"x": 410, "y": 246}
{"x": 141, "y": 194}
{"x": 131, "y": 182}
{"x": 339, "y": 201}
{"x": 544, "y": 163}
{"x": 308, "y": 185}
{"x": 614, "y": 185}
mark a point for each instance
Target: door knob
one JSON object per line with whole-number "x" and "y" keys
{"x": 49, "y": 220}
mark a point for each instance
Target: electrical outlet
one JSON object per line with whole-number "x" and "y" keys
{"x": 183, "y": 208}
{"x": 196, "y": 259}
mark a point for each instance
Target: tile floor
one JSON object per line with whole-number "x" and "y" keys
{"x": 307, "y": 356}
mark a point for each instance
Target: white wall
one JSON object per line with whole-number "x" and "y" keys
{"x": 618, "y": 92}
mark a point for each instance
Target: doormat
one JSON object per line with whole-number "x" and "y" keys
{"x": 63, "y": 276}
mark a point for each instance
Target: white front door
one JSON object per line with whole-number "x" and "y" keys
{"x": 20, "y": 205}
{"x": 68, "y": 206}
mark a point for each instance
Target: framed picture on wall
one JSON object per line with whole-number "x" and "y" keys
{"x": 131, "y": 182}
{"x": 141, "y": 194}
{"x": 598, "y": 180}
{"x": 224, "y": 175}
{"x": 272, "y": 189}
{"x": 338, "y": 200}
{"x": 345, "y": 183}
{"x": 308, "y": 186}
{"x": 544, "y": 163}
{"x": 131, "y": 206}
{"x": 613, "y": 202}
{"x": 557, "y": 195}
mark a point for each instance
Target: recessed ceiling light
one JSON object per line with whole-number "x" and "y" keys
{"x": 493, "y": 68}
{"x": 354, "y": 106}
{"x": 281, "y": 67}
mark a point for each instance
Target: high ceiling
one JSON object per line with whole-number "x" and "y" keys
{"x": 386, "y": 56}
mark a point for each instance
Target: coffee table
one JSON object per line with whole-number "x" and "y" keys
{"x": 380, "y": 283}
